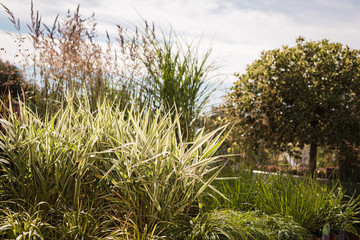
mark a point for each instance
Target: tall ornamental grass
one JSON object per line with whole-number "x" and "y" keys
{"x": 129, "y": 167}
{"x": 178, "y": 76}
{"x": 70, "y": 55}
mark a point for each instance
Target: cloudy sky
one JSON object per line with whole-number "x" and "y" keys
{"x": 238, "y": 30}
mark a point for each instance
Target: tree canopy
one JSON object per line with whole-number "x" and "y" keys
{"x": 306, "y": 94}
{"x": 11, "y": 79}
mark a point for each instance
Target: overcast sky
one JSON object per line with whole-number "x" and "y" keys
{"x": 238, "y": 30}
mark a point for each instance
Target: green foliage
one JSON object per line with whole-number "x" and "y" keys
{"x": 91, "y": 168}
{"x": 48, "y": 160}
{"x": 156, "y": 175}
{"x": 178, "y": 78}
{"x": 80, "y": 225}
{"x": 11, "y": 80}
{"x": 310, "y": 203}
{"x": 307, "y": 94}
{"x": 11, "y": 83}
{"x": 229, "y": 224}
{"x": 131, "y": 165}
{"x": 240, "y": 189}
{"x": 21, "y": 223}
{"x": 129, "y": 174}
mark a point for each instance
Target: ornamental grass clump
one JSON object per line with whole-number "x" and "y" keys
{"x": 310, "y": 203}
{"x": 233, "y": 225}
{"x": 129, "y": 167}
{"x": 155, "y": 174}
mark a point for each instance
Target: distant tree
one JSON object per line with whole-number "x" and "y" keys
{"x": 307, "y": 94}
{"x": 11, "y": 79}
{"x": 11, "y": 82}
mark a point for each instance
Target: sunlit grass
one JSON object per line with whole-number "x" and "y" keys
{"x": 129, "y": 165}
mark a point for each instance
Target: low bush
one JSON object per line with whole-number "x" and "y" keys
{"x": 230, "y": 224}
{"x": 310, "y": 203}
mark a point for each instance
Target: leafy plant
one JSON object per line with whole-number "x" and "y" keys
{"x": 156, "y": 175}
{"x": 230, "y": 224}
{"x": 23, "y": 224}
{"x": 47, "y": 160}
{"x": 177, "y": 77}
{"x": 11, "y": 80}
{"x": 240, "y": 188}
{"x": 131, "y": 165}
{"x": 81, "y": 225}
{"x": 311, "y": 204}
{"x": 308, "y": 202}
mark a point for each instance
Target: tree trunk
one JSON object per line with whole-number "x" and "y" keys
{"x": 312, "y": 160}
